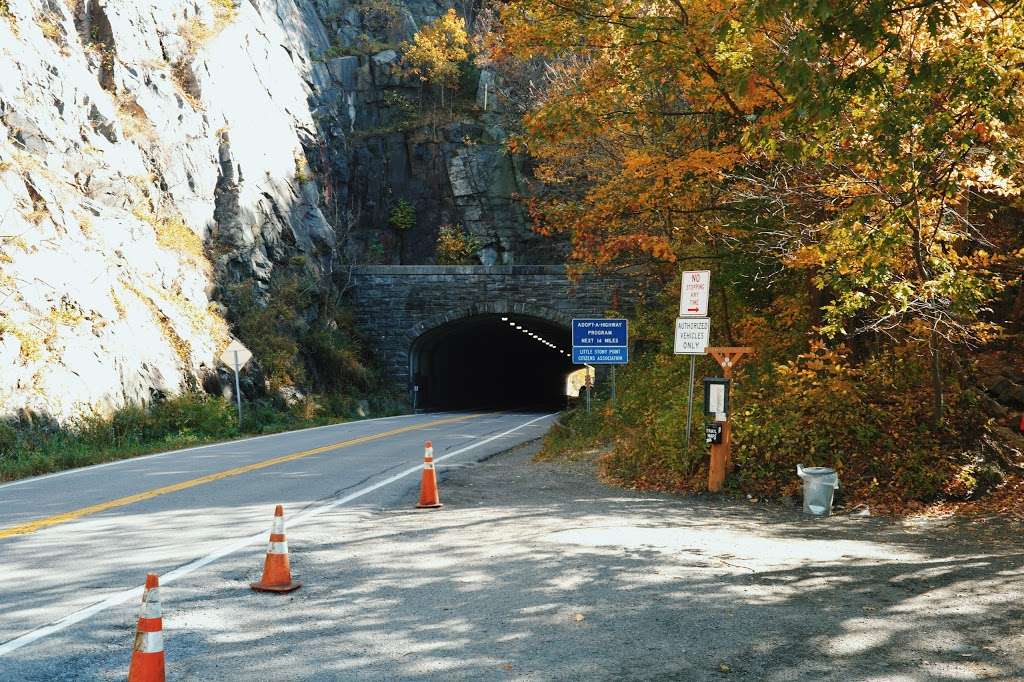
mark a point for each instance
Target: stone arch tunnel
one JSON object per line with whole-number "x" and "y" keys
{"x": 491, "y": 360}
{"x": 481, "y": 337}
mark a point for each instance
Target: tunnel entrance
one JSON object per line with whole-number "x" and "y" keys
{"x": 492, "y": 361}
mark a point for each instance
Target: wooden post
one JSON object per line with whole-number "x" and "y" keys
{"x": 721, "y": 454}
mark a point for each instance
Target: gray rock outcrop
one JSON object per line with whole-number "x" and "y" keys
{"x": 130, "y": 133}
{"x": 153, "y": 150}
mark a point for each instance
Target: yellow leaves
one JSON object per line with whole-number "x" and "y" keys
{"x": 855, "y": 160}
{"x": 805, "y": 257}
{"x": 602, "y": 252}
{"x": 735, "y": 52}
{"x": 437, "y": 49}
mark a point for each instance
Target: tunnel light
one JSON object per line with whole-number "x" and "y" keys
{"x": 517, "y": 326}
{"x": 504, "y": 319}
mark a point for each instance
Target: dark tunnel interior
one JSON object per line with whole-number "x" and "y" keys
{"x": 492, "y": 362}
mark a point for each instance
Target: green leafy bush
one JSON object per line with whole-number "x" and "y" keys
{"x": 455, "y": 246}
{"x": 42, "y": 446}
{"x": 303, "y": 338}
{"x": 869, "y": 419}
{"x": 403, "y": 216}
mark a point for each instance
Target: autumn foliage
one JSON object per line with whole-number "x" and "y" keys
{"x": 869, "y": 143}
{"x": 436, "y": 52}
{"x": 855, "y": 166}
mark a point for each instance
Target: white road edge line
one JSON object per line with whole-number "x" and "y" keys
{"x": 180, "y": 572}
{"x": 128, "y": 460}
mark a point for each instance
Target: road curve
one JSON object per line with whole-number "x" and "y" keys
{"x": 76, "y": 543}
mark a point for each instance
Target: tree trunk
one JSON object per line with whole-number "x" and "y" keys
{"x": 1017, "y": 312}
{"x": 937, "y": 397}
{"x": 726, "y": 317}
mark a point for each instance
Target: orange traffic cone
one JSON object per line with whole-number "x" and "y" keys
{"x": 277, "y": 576}
{"x": 148, "y": 652}
{"x": 429, "y": 499}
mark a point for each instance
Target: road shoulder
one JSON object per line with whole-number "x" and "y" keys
{"x": 537, "y": 571}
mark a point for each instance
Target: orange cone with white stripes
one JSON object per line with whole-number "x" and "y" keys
{"x": 429, "y": 498}
{"x": 277, "y": 575}
{"x": 148, "y": 653}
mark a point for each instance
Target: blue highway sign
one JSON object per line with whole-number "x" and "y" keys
{"x": 600, "y": 342}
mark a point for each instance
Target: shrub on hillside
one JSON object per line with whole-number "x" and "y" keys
{"x": 40, "y": 445}
{"x": 869, "y": 421}
{"x": 304, "y": 343}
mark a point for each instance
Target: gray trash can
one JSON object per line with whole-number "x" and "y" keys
{"x": 820, "y": 485}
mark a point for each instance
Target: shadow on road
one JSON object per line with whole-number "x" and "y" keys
{"x": 536, "y": 571}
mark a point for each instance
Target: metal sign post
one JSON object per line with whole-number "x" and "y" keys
{"x": 238, "y": 390}
{"x": 693, "y": 327}
{"x": 689, "y": 400}
{"x": 589, "y": 385}
{"x": 236, "y": 356}
{"x": 692, "y": 337}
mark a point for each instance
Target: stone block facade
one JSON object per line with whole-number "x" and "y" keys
{"x": 394, "y": 305}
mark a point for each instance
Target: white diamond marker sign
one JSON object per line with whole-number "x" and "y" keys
{"x": 236, "y": 356}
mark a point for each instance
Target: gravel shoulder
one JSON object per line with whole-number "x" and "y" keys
{"x": 537, "y": 571}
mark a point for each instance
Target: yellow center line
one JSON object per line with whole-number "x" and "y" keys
{"x": 39, "y": 524}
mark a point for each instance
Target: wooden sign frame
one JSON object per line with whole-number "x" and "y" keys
{"x": 721, "y": 454}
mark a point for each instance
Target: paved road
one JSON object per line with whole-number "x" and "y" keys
{"x": 78, "y": 544}
{"x": 537, "y": 572}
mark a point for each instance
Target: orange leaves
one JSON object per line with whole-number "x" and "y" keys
{"x": 622, "y": 130}
{"x": 775, "y": 133}
{"x": 606, "y": 251}
{"x": 667, "y": 169}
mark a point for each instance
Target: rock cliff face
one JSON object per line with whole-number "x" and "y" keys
{"x": 153, "y": 151}
{"x": 383, "y": 141}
